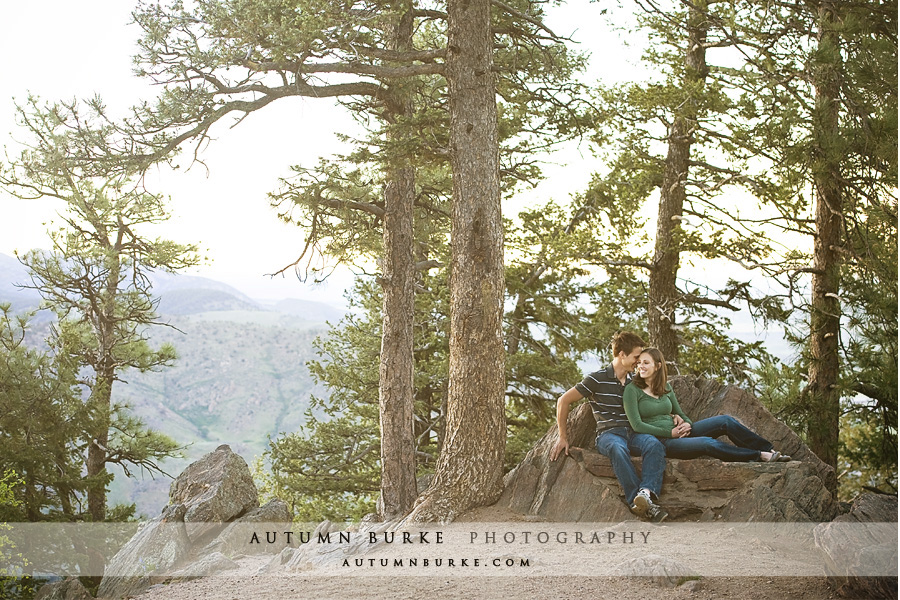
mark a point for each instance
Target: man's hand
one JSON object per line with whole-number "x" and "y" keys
{"x": 560, "y": 447}
{"x": 562, "y": 417}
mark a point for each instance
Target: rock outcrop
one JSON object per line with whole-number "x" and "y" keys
{"x": 233, "y": 539}
{"x": 702, "y": 398}
{"x": 198, "y": 530}
{"x": 861, "y": 546}
{"x": 583, "y": 487}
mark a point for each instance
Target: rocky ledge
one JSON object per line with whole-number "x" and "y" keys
{"x": 582, "y": 487}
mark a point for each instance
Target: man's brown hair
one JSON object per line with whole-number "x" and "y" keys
{"x": 626, "y": 341}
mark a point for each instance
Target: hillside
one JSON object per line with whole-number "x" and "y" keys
{"x": 238, "y": 380}
{"x": 240, "y": 377}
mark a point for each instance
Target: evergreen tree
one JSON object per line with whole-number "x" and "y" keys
{"x": 670, "y": 136}
{"x": 823, "y": 92}
{"x": 220, "y": 58}
{"x": 96, "y": 279}
{"x": 44, "y": 423}
{"x": 806, "y": 121}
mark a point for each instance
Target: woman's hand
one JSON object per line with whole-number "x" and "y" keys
{"x": 681, "y": 430}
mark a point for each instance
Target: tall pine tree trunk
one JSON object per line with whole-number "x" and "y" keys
{"x": 664, "y": 297}
{"x": 396, "y": 390}
{"x": 100, "y": 400}
{"x": 469, "y": 470}
{"x": 822, "y": 392}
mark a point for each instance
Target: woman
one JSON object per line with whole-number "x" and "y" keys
{"x": 652, "y": 408}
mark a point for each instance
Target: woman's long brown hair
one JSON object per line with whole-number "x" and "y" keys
{"x": 657, "y": 382}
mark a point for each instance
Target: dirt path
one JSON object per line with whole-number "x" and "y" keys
{"x": 505, "y": 588}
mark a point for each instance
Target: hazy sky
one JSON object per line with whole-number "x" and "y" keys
{"x": 63, "y": 50}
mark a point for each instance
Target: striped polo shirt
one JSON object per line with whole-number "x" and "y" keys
{"x": 604, "y": 393}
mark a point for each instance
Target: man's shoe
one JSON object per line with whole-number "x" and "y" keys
{"x": 642, "y": 503}
{"x": 656, "y": 514}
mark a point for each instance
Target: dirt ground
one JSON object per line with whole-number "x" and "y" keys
{"x": 246, "y": 582}
{"x": 505, "y": 588}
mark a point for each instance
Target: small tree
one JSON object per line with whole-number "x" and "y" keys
{"x": 43, "y": 422}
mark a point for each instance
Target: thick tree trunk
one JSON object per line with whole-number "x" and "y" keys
{"x": 822, "y": 392}
{"x": 470, "y": 467}
{"x": 663, "y": 298}
{"x": 396, "y": 390}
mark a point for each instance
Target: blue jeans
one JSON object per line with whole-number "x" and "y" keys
{"x": 619, "y": 443}
{"x": 702, "y": 442}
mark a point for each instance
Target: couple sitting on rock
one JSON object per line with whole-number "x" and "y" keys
{"x": 641, "y": 416}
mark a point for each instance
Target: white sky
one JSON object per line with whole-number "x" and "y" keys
{"x": 63, "y": 50}
{"x": 60, "y": 49}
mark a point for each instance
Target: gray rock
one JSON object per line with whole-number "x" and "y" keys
{"x": 69, "y": 589}
{"x": 660, "y": 570}
{"x": 861, "y": 544}
{"x": 214, "y": 490}
{"x": 155, "y": 549}
{"x": 210, "y": 564}
{"x": 583, "y": 487}
{"x": 701, "y": 398}
{"x": 204, "y": 498}
{"x": 691, "y": 586}
{"x": 234, "y": 539}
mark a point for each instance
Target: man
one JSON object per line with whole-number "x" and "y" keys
{"x": 615, "y": 438}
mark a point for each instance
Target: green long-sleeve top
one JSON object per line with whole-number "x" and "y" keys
{"x": 647, "y": 414}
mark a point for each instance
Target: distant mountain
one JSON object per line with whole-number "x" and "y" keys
{"x": 310, "y": 311}
{"x": 238, "y": 380}
{"x": 12, "y": 275}
{"x": 240, "y": 377}
{"x": 199, "y": 300}
{"x": 178, "y": 295}
{"x": 165, "y": 283}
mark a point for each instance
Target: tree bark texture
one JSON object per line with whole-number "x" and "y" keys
{"x": 664, "y": 297}
{"x": 469, "y": 470}
{"x": 822, "y": 393}
{"x": 396, "y": 386}
{"x": 101, "y": 396}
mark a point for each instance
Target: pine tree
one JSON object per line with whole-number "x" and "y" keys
{"x": 96, "y": 279}
{"x": 219, "y": 58}
{"x": 44, "y": 423}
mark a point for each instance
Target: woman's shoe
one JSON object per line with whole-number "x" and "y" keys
{"x": 774, "y": 456}
{"x": 783, "y": 458}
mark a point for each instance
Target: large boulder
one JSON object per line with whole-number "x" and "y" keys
{"x": 206, "y": 500}
{"x": 156, "y": 548}
{"x": 216, "y": 489}
{"x": 583, "y": 487}
{"x": 860, "y": 548}
{"x": 701, "y": 398}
